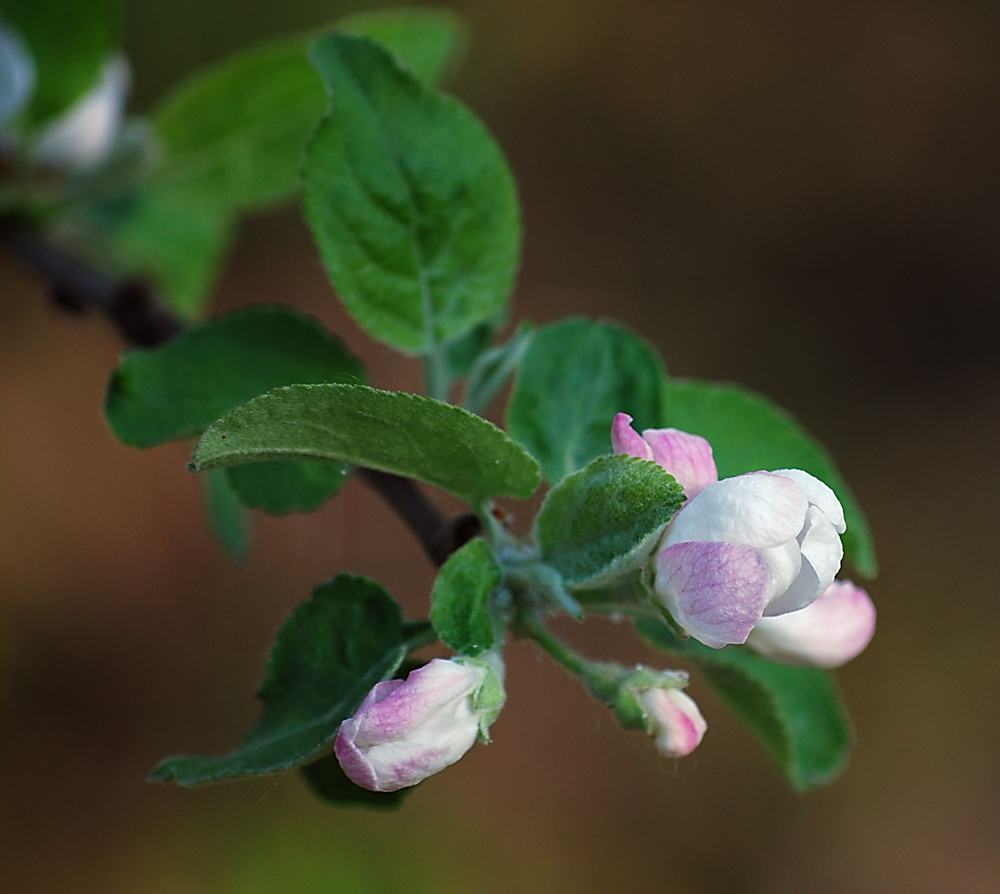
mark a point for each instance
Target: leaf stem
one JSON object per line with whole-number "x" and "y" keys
{"x": 142, "y": 321}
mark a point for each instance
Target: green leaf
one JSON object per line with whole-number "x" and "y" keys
{"x": 346, "y": 638}
{"x": 428, "y": 41}
{"x": 460, "y": 603}
{"x": 749, "y": 433}
{"x": 165, "y": 235}
{"x": 328, "y": 780}
{"x": 602, "y": 522}
{"x": 233, "y": 134}
{"x": 401, "y": 433}
{"x": 179, "y": 389}
{"x": 226, "y": 517}
{"x": 795, "y": 712}
{"x": 410, "y": 201}
{"x": 287, "y": 485}
{"x": 493, "y": 369}
{"x": 69, "y": 41}
{"x": 574, "y": 377}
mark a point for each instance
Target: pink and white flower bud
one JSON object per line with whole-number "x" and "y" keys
{"x": 83, "y": 136}
{"x": 677, "y": 724}
{"x": 407, "y": 730}
{"x": 755, "y": 545}
{"x": 828, "y": 633}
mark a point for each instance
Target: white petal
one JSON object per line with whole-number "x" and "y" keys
{"x": 822, "y": 553}
{"x": 785, "y": 562}
{"x": 819, "y": 494}
{"x": 83, "y": 136}
{"x": 760, "y": 509}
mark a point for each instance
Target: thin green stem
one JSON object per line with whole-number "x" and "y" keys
{"x": 436, "y": 374}
{"x": 602, "y": 678}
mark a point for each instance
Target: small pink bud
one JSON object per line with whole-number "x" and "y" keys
{"x": 828, "y": 633}
{"x": 678, "y": 726}
{"x": 407, "y": 730}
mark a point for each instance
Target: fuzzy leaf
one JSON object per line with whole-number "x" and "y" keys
{"x": 401, "y": 433}
{"x": 602, "y": 522}
{"x": 346, "y": 638}
{"x": 460, "y": 603}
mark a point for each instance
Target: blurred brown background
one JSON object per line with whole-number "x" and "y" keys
{"x": 799, "y": 197}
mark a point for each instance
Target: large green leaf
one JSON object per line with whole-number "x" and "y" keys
{"x": 179, "y": 389}
{"x": 346, "y": 638}
{"x": 460, "y": 603}
{"x": 749, "y": 432}
{"x": 795, "y": 712}
{"x": 69, "y": 41}
{"x": 602, "y": 522}
{"x": 401, "y": 433}
{"x": 233, "y": 134}
{"x": 573, "y": 379}
{"x": 410, "y": 201}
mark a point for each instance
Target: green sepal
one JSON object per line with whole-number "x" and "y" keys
{"x": 574, "y": 377}
{"x": 329, "y": 654}
{"x": 405, "y": 434}
{"x": 460, "y": 603}
{"x": 794, "y": 712}
{"x": 749, "y": 433}
{"x": 602, "y": 522}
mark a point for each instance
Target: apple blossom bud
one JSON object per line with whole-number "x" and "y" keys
{"x": 407, "y": 730}
{"x": 834, "y": 629}
{"x": 673, "y": 719}
{"x": 83, "y": 136}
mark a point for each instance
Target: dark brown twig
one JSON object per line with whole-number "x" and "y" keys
{"x": 141, "y": 320}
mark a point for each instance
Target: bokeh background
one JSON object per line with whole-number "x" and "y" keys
{"x": 799, "y": 197}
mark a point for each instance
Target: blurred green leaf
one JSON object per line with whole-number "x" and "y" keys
{"x": 429, "y": 41}
{"x": 233, "y": 133}
{"x": 328, "y": 780}
{"x": 574, "y": 377}
{"x": 179, "y": 389}
{"x": 410, "y": 201}
{"x": 287, "y": 485}
{"x": 602, "y": 522}
{"x": 493, "y": 369}
{"x": 795, "y": 712}
{"x": 226, "y": 517}
{"x": 748, "y": 433}
{"x": 460, "y": 603}
{"x": 70, "y": 40}
{"x": 401, "y": 433}
{"x": 346, "y": 638}
{"x": 167, "y": 236}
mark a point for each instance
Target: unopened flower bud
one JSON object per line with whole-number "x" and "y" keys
{"x": 407, "y": 730}
{"x": 834, "y": 629}
{"x": 674, "y": 720}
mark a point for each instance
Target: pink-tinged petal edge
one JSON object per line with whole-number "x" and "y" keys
{"x": 678, "y": 723}
{"x": 685, "y": 456}
{"x": 715, "y": 591}
{"x": 828, "y": 633}
{"x": 625, "y": 439}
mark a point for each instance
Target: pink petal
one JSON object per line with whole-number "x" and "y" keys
{"x": 677, "y": 722}
{"x": 687, "y": 457}
{"x": 834, "y": 629}
{"x": 715, "y": 591}
{"x": 625, "y": 439}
